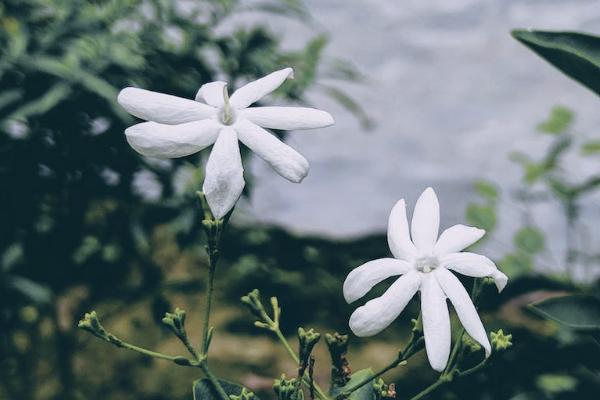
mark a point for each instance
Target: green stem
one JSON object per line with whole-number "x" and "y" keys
{"x": 213, "y": 380}
{"x": 411, "y": 348}
{"x": 320, "y": 393}
{"x": 209, "y": 295}
{"x": 429, "y": 389}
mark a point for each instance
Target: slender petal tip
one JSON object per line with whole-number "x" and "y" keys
{"x": 500, "y": 279}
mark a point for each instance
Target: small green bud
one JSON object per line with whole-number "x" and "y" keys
{"x": 244, "y": 395}
{"x": 288, "y": 389}
{"x": 176, "y": 322}
{"x": 180, "y": 360}
{"x": 382, "y": 390}
{"x": 500, "y": 340}
{"x": 91, "y": 323}
{"x": 470, "y": 344}
{"x": 254, "y": 304}
{"x": 417, "y": 324}
{"x": 338, "y": 347}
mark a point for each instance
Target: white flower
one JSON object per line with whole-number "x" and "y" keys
{"x": 423, "y": 263}
{"x": 179, "y": 127}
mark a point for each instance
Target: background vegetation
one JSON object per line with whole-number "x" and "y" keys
{"x": 77, "y": 231}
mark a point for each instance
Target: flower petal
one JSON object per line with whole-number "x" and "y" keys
{"x": 465, "y": 309}
{"x": 398, "y": 237}
{"x": 286, "y": 161}
{"x": 362, "y": 279}
{"x": 288, "y": 118}
{"x": 224, "y": 179}
{"x": 436, "y": 322}
{"x": 378, "y": 314}
{"x": 256, "y": 90}
{"x": 212, "y": 93}
{"x": 457, "y": 238}
{"x": 474, "y": 265}
{"x": 170, "y": 141}
{"x": 426, "y": 221}
{"x": 162, "y": 108}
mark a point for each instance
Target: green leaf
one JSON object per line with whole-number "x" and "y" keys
{"x": 483, "y": 217}
{"x": 486, "y": 189}
{"x": 575, "y": 54}
{"x": 204, "y": 390}
{"x": 366, "y": 392}
{"x": 529, "y": 239}
{"x": 558, "y": 121}
{"x": 591, "y": 147}
{"x": 516, "y": 264}
{"x": 577, "y": 311}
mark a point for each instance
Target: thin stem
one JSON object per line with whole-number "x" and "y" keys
{"x": 410, "y": 349}
{"x": 429, "y": 389}
{"x": 209, "y": 295}
{"x": 320, "y": 393}
{"x": 147, "y": 352}
{"x": 472, "y": 370}
{"x": 213, "y": 380}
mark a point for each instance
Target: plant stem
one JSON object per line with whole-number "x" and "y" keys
{"x": 209, "y": 295}
{"x": 410, "y": 349}
{"x": 441, "y": 381}
{"x": 213, "y": 380}
{"x": 320, "y": 393}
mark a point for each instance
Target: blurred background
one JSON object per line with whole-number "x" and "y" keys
{"x": 424, "y": 94}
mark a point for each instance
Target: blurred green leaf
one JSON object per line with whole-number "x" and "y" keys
{"x": 558, "y": 121}
{"x": 529, "y": 239}
{"x": 591, "y": 147}
{"x": 487, "y": 190}
{"x": 30, "y": 289}
{"x": 577, "y": 311}
{"x": 366, "y": 392}
{"x": 575, "y": 54}
{"x": 516, "y": 264}
{"x": 481, "y": 216}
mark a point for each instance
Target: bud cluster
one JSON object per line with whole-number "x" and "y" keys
{"x": 288, "y": 389}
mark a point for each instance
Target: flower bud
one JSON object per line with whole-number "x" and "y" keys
{"x": 338, "y": 347}
{"x": 500, "y": 340}
{"x": 308, "y": 339}
{"x": 91, "y": 323}
{"x": 244, "y": 395}
{"x": 382, "y": 390}
{"x": 288, "y": 389}
{"x": 470, "y": 344}
{"x": 252, "y": 301}
{"x": 176, "y": 322}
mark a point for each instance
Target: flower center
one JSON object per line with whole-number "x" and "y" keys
{"x": 427, "y": 264}
{"x": 227, "y": 113}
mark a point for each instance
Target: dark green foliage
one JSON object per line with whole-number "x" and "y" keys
{"x": 576, "y": 312}
{"x": 576, "y": 54}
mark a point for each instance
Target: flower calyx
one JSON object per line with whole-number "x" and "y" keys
{"x": 307, "y": 340}
{"x": 338, "y": 347}
{"x": 383, "y": 391}
{"x": 288, "y": 389}
{"x": 245, "y": 394}
{"x": 501, "y": 340}
{"x": 176, "y": 322}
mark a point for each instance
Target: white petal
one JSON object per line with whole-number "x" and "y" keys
{"x": 170, "y": 141}
{"x": 162, "y": 108}
{"x": 464, "y": 307}
{"x": 500, "y": 279}
{"x": 397, "y": 234}
{"x": 288, "y": 118}
{"x": 254, "y": 91}
{"x": 286, "y": 161}
{"x": 212, "y": 93}
{"x": 378, "y": 314}
{"x": 362, "y": 279}
{"x": 426, "y": 221}
{"x": 457, "y": 238}
{"x": 224, "y": 179}
{"x": 436, "y": 322}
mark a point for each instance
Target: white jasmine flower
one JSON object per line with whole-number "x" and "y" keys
{"x": 423, "y": 263}
{"x": 179, "y": 127}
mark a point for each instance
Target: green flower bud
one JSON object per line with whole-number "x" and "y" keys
{"x": 338, "y": 347}
{"x": 244, "y": 395}
{"x": 288, "y": 389}
{"x": 500, "y": 340}
{"x": 252, "y": 301}
{"x": 382, "y": 390}
{"x": 176, "y": 322}
{"x": 470, "y": 344}
{"x": 91, "y": 323}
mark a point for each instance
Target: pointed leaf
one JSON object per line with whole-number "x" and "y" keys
{"x": 576, "y": 311}
{"x": 575, "y": 54}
